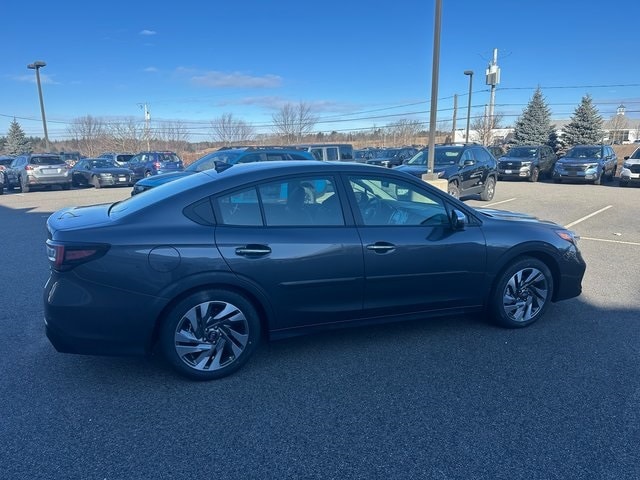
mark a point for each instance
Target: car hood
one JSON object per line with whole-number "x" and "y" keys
{"x": 156, "y": 180}
{"x": 418, "y": 170}
{"x": 512, "y": 216}
{"x": 578, "y": 161}
{"x": 506, "y": 158}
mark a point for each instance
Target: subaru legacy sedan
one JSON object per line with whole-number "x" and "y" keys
{"x": 205, "y": 267}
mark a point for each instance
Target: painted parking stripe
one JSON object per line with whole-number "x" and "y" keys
{"x": 610, "y": 241}
{"x": 588, "y": 216}
{"x": 501, "y": 201}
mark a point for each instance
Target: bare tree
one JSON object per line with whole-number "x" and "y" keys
{"x": 294, "y": 121}
{"x": 403, "y": 132}
{"x": 88, "y": 132}
{"x": 125, "y": 135}
{"x": 172, "y": 135}
{"x": 228, "y": 130}
{"x": 618, "y": 126}
{"x": 484, "y": 127}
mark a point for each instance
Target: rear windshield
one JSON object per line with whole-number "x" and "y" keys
{"x": 124, "y": 158}
{"x": 46, "y": 161}
{"x": 154, "y": 195}
{"x": 168, "y": 157}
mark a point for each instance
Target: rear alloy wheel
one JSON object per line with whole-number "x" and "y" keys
{"x": 95, "y": 181}
{"x": 535, "y": 174}
{"x": 453, "y": 189}
{"x": 489, "y": 190}
{"x": 210, "y": 334}
{"x": 522, "y": 293}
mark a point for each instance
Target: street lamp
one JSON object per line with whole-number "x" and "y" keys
{"x": 470, "y": 73}
{"x": 37, "y": 65}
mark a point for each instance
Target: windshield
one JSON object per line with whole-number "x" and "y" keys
{"x": 584, "y": 152}
{"x": 102, "y": 164}
{"x": 636, "y": 154}
{"x": 386, "y": 153}
{"x": 210, "y": 160}
{"x": 444, "y": 156}
{"x": 522, "y": 152}
{"x": 45, "y": 161}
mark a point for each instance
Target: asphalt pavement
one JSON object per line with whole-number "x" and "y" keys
{"x": 452, "y": 398}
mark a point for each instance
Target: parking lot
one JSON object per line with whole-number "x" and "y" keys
{"x": 442, "y": 399}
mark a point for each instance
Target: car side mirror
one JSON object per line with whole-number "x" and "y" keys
{"x": 458, "y": 219}
{"x": 468, "y": 163}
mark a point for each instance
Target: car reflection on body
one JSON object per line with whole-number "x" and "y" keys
{"x": 205, "y": 265}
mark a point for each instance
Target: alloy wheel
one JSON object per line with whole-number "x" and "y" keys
{"x": 525, "y": 294}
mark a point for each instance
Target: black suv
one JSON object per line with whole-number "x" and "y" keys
{"x": 527, "y": 161}
{"x": 469, "y": 168}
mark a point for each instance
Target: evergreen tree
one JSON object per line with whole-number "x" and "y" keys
{"x": 585, "y": 125}
{"x": 534, "y": 125}
{"x": 17, "y": 141}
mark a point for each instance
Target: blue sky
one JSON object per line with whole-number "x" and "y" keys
{"x": 358, "y": 64}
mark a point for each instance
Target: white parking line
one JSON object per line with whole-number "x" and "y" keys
{"x": 588, "y": 216}
{"x": 501, "y": 201}
{"x": 609, "y": 241}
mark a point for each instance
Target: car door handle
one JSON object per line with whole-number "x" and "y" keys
{"x": 381, "y": 247}
{"x": 253, "y": 250}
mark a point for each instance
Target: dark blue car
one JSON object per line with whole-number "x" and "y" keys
{"x": 205, "y": 267}
{"x": 146, "y": 164}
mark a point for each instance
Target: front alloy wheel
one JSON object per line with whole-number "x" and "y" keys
{"x": 522, "y": 294}
{"x": 210, "y": 334}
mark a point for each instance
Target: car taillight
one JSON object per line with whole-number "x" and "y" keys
{"x": 29, "y": 167}
{"x": 157, "y": 164}
{"x": 65, "y": 257}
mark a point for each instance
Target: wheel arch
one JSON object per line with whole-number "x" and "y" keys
{"x": 539, "y": 252}
{"x": 199, "y": 283}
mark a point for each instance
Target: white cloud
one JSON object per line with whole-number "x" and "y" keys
{"x": 150, "y": 70}
{"x": 148, "y": 32}
{"x": 235, "y": 80}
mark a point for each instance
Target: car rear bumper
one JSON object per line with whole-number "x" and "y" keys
{"x": 97, "y": 321}
{"x": 49, "y": 180}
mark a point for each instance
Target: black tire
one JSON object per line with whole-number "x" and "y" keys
{"x": 226, "y": 335}
{"x": 66, "y": 186}
{"x": 95, "y": 181}
{"x": 489, "y": 190}
{"x": 147, "y": 173}
{"x": 24, "y": 186}
{"x": 535, "y": 174}
{"x": 453, "y": 189}
{"x": 522, "y": 293}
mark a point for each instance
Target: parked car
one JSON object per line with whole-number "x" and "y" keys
{"x": 588, "y": 163}
{"x": 201, "y": 267}
{"x": 630, "y": 172}
{"x": 38, "y": 170}
{"x": 337, "y": 152}
{"x": 221, "y": 159}
{"x": 391, "y": 157}
{"x": 5, "y": 161}
{"x": 145, "y": 164}
{"x": 100, "y": 172}
{"x": 469, "y": 168}
{"x": 119, "y": 158}
{"x": 527, "y": 161}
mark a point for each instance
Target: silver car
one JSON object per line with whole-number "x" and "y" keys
{"x": 38, "y": 170}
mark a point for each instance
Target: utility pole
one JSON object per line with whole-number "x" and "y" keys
{"x": 147, "y": 120}
{"x": 455, "y": 114}
{"x": 493, "y": 79}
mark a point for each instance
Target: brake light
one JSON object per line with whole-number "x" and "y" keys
{"x": 157, "y": 164}
{"x": 29, "y": 167}
{"x": 65, "y": 257}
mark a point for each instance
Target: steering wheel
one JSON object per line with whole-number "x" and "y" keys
{"x": 372, "y": 208}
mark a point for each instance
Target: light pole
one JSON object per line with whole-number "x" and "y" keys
{"x": 470, "y": 73}
{"x": 37, "y": 65}
{"x": 430, "y": 175}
